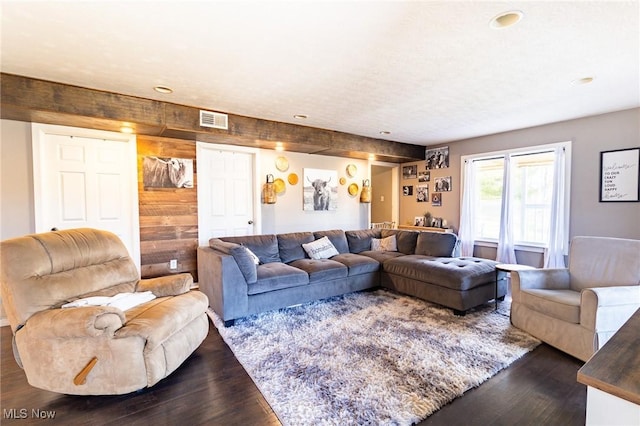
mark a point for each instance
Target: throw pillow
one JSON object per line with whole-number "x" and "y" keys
{"x": 320, "y": 249}
{"x": 252, "y": 255}
{"x": 384, "y": 244}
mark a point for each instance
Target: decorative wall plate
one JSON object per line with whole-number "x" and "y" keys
{"x": 282, "y": 164}
{"x": 353, "y": 189}
{"x": 352, "y": 170}
{"x": 279, "y": 186}
{"x": 343, "y": 181}
{"x": 292, "y": 178}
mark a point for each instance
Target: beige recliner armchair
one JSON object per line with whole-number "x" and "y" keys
{"x": 578, "y": 309}
{"x": 94, "y": 350}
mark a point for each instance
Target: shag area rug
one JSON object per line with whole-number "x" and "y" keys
{"x": 371, "y": 357}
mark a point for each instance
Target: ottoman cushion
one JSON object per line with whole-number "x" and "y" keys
{"x": 457, "y": 273}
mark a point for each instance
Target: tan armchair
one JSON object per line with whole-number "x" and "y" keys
{"x": 94, "y": 350}
{"x": 578, "y": 309}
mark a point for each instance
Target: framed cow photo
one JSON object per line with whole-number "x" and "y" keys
{"x": 320, "y": 190}
{"x": 167, "y": 172}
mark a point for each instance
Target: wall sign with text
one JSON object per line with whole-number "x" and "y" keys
{"x": 619, "y": 175}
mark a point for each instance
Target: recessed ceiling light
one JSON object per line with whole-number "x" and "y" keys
{"x": 372, "y": 157}
{"x": 385, "y": 132}
{"x": 506, "y": 19}
{"x": 126, "y": 129}
{"x": 279, "y": 146}
{"x": 301, "y": 116}
{"x": 163, "y": 89}
{"x": 581, "y": 81}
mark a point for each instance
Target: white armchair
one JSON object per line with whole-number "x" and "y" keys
{"x": 578, "y": 309}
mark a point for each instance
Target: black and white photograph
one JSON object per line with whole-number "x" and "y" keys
{"x": 320, "y": 190}
{"x": 410, "y": 172}
{"x": 424, "y": 176}
{"x": 422, "y": 193}
{"x": 407, "y": 190}
{"x": 418, "y": 221}
{"x": 165, "y": 172}
{"x": 437, "y": 158}
{"x": 442, "y": 184}
{"x": 436, "y": 199}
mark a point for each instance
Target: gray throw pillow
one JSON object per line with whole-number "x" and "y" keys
{"x": 241, "y": 255}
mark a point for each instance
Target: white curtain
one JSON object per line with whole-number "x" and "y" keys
{"x": 506, "y": 252}
{"x": 554, "y": 254}
{"x": 466, "y": 231}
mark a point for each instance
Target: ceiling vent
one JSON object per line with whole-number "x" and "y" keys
{"x": 215, "y": 120}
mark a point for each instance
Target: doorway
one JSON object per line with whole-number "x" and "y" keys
{"x": 384, "y": 192}
{"x": 227, "y": 197}
{"x": 86, "y": 178}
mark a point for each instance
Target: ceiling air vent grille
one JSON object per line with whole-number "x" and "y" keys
{"x": 215, "y": 120}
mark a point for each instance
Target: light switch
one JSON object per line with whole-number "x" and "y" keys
{"x": 382, "y": 198}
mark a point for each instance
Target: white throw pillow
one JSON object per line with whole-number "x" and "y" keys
{"x": 320, "y": 249}
{"x": 251, "y": 254}
{"x": 384, "y": 244}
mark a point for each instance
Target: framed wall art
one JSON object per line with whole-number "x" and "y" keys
{"x": 320, "y": 191}
{"x": 167, "y": 172}
{"x": 620, "y": 175}
{"x": 437, "y": 158}
{"x": 409, "y": 172}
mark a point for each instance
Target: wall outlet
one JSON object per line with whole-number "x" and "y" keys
{"x": 173, "y": 264}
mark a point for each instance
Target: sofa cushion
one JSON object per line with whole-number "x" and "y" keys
{"x": 357, "y": 264}
{"x": 322, "y": 269}
{"x": 384, "y": 244}
{"x": 406, "y": 239}
{"x": 360, "y": 240}
{"x": 337, "y": 238}
{"x": 457, "y": 273}
{"x": 438, "y": 244}
{"x": 561, "y": 304}
{"x": 241, "y": 255}
{"x": 320, "y": 249}
{"x": 276, "y": 276}
{"x": 381, "y": 256}
{"x": 264, "y": 246}
{"x": 290, "y": 245}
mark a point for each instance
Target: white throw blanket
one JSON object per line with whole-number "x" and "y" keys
{"x": 122, "y": 301}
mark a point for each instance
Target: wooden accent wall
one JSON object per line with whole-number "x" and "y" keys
{"x": 168, "y": 216}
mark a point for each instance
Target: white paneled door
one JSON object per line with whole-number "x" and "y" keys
{"x": 86, "y": 178}
{"x": 225, "y": 192}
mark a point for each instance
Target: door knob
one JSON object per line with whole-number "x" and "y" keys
{"x": 250, "y": 222}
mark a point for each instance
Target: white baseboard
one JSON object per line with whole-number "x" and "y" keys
{"x": 4, "y": 322}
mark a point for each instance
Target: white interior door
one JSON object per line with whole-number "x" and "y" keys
{"x": 86, "y": 178}
{"x": 226, "y": 196}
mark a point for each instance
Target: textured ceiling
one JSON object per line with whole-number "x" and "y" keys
{"x": 428, "y": 72}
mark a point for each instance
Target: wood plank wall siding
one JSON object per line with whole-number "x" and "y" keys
{"x": 168, "y": 216}
{"x": 33, "y": 100}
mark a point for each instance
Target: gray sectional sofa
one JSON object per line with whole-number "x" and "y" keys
{"x": 276, "y": 271}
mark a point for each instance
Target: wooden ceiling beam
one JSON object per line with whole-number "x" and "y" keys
{"x": 27, "y": 99}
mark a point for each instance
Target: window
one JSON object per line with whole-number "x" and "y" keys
{"x": 512, "y": 193}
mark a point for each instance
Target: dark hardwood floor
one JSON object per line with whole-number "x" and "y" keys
{"x": 212, "y": 388}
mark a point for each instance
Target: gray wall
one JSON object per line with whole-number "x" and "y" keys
{"x": 16, "y": 180}
{"x": 589, "y": 137}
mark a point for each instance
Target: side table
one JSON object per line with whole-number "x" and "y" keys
{"x": 506, "y": 268}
